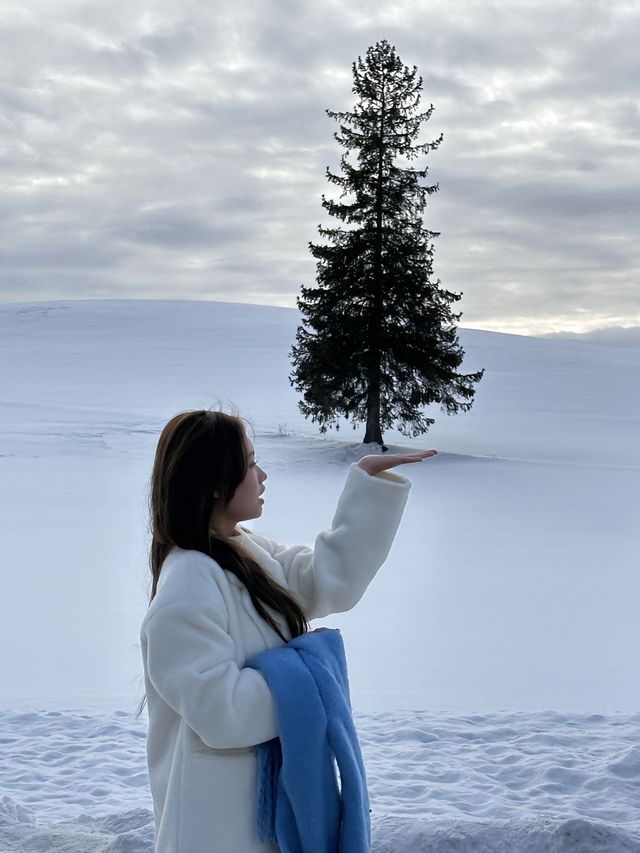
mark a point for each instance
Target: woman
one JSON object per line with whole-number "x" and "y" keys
{"x": 221, "y": 593}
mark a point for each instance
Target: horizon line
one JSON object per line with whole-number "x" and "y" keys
{"x": 494, "y": 326}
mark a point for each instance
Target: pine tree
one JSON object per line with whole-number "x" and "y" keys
{"x": 381, "y": 342}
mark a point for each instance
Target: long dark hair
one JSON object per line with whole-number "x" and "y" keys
{"x": 201, "y": 452}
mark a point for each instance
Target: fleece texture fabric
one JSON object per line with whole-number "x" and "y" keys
{"x": 301, "y": 805}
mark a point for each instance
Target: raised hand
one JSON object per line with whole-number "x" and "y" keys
{"x": 374, "y": 464}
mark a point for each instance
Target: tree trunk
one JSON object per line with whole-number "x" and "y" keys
{"x": 373, "y": 432}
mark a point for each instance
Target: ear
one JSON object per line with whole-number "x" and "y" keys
{"x": 216, "y": 494}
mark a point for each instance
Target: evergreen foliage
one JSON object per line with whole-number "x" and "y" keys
{"x": 378, "y": 340}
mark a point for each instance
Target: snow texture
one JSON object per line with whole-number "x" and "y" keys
{"x": 494, "y": 661}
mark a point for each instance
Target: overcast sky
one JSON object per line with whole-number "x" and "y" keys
{"x": 177, "y": 149}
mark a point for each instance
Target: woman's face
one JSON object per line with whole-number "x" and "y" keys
{"x": 246, "y": 502}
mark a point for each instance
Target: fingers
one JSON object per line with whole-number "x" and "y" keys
{"x": 418, "y": 457}
{"x": 423, "y": 453}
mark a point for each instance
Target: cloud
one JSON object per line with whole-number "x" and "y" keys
{"x": 180, "y": 150}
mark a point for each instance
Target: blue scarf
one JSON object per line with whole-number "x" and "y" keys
{"x": 301, "y": 806}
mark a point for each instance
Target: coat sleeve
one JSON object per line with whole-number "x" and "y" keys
{"x": 191, "y": 663}
{"x": 332, "y": 576}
